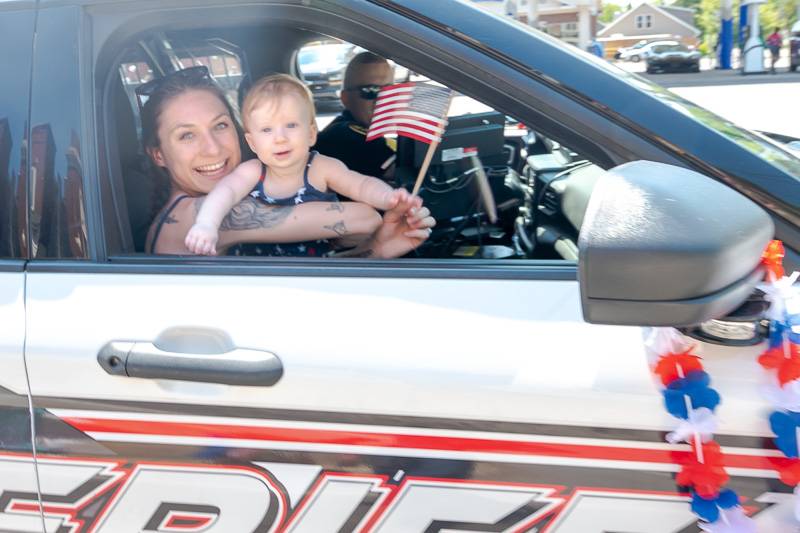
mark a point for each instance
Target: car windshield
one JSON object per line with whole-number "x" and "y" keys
{"x": 756, "y": 143}
{"x": 308, "y": 57}
{"x": 760, "y": 145}
{"x": 325, "y": 53}
{"x": 765, "y": 148}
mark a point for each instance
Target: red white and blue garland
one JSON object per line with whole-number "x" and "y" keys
{"x": 781, "y": 360}
{"x": 690, "y": 398}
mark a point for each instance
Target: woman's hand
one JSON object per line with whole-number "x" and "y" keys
{"x": 404, "y": 228}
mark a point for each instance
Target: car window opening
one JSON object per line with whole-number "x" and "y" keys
{"x": 494, "y": 185}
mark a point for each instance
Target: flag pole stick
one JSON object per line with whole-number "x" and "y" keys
{"x": 429, "y": 154}
{"x": 424, "y": 168}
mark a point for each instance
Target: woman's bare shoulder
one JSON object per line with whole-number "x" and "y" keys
{"x": 170, "y": 226}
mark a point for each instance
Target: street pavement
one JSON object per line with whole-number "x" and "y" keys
{"x": 763, "y": 102}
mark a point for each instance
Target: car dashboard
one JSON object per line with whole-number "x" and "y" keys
{"x": 530, "y": 205}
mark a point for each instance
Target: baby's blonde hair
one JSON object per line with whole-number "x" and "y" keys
{"x": 271, "y": 89}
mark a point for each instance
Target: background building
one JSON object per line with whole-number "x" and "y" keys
{"x": 651, "y": 23}
{"x": 563, "y": 19}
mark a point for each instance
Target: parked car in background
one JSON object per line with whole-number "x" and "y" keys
{"x": 631, "y": 53}
{"x": 672, "y": 56}
{"x": 794, "y": 47}
{"x": 321, "y": 65}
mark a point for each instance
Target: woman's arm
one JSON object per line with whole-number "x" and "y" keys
{"x": 402, "y": 229}
{"x": 253, "y": 221}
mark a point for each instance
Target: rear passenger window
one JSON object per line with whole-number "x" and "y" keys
{"x": 494, "y": 185}
{"x": 14, "y": 94}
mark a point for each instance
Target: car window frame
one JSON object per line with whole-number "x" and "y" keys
{"x": 368, "y": 25}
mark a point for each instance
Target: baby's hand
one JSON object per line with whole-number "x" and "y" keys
{"x": 202, "y": 239}
{"x": 393, "y": 198}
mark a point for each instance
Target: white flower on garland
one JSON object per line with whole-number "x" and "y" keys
{"x": 780, "y": 294}
{"x": 731, "y": 520}
{"x": 786, "y": 397}
{"x": 700, "y": 422}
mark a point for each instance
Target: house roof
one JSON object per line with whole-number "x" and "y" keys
{"x": 684, "y": 13}
{"x": 640, "y": 9}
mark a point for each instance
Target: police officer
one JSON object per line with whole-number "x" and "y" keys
{"x": 345, "y": 137}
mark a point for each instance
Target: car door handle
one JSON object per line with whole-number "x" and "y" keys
{"x": 253, "y": 368}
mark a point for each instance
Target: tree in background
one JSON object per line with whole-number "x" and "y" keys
{"x": 610, "y": 12}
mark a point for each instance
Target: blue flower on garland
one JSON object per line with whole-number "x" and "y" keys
{"x": 784, "y": 424}
{"x": 696, "y": 386}
{"x": 777, "y": 332}
{"x": 791, "y": 321}
{"x": 781, "y": 330}
{"x": 708, "y": 510}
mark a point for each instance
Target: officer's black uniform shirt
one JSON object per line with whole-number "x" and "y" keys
{"x": 344, "y": 139}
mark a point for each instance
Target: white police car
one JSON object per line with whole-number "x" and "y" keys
{"x": 459, "y": 390}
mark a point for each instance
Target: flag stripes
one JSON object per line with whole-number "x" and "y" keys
{"x": 415, "y": 110}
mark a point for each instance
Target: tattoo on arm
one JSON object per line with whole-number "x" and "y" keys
{"x": 354, "y": 252}
{"x": 170, "y": 220}
{"x": 336, "y": 206}
{"x": 251, "y": 214}
{"x": 339, "y": 228}
{"x": 364, "y": 253}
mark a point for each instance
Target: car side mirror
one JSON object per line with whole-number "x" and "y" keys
{"x": 665, "y": 246}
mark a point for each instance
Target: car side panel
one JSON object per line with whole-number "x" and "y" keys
{"x": 403, "y": 403}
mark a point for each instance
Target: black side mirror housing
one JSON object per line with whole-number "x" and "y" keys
{"x": 666, "y": 246}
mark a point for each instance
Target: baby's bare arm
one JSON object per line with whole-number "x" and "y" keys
{"x": 356, "y": 186}
{"x": 202, "y": 237}
{"x": 228, "y": 192}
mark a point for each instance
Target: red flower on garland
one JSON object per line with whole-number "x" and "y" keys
{"x": 772, "y": 259}
{"x": 788, "y": 469}
{"x": 668, "y": 364}
{"x": 708, "y": 477}
{"x": 788, "y": 366}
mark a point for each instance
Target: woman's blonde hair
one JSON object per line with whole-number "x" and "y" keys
{"x": 271, "y": 89}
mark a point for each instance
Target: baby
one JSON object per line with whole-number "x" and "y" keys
{"x": 280, "y": 127}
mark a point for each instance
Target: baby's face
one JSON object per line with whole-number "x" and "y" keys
{"x": 280, "y": 132}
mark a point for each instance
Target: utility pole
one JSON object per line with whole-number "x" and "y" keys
{"x": 584, "y": 23}
{"x": 725, "y": 37}
{"x": 533, "y": 13}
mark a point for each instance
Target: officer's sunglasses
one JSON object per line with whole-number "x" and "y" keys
{"x": 367, "y": 92}
{"x": 188, "y": 75}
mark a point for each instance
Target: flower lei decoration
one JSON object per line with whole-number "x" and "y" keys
{"x": 689, "y": 398}
{"x": 781, "y": 360}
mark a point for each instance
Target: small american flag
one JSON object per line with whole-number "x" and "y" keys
{"x": 415, "y": 110}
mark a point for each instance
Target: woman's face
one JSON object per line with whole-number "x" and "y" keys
{"x": 198, "y": 143}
